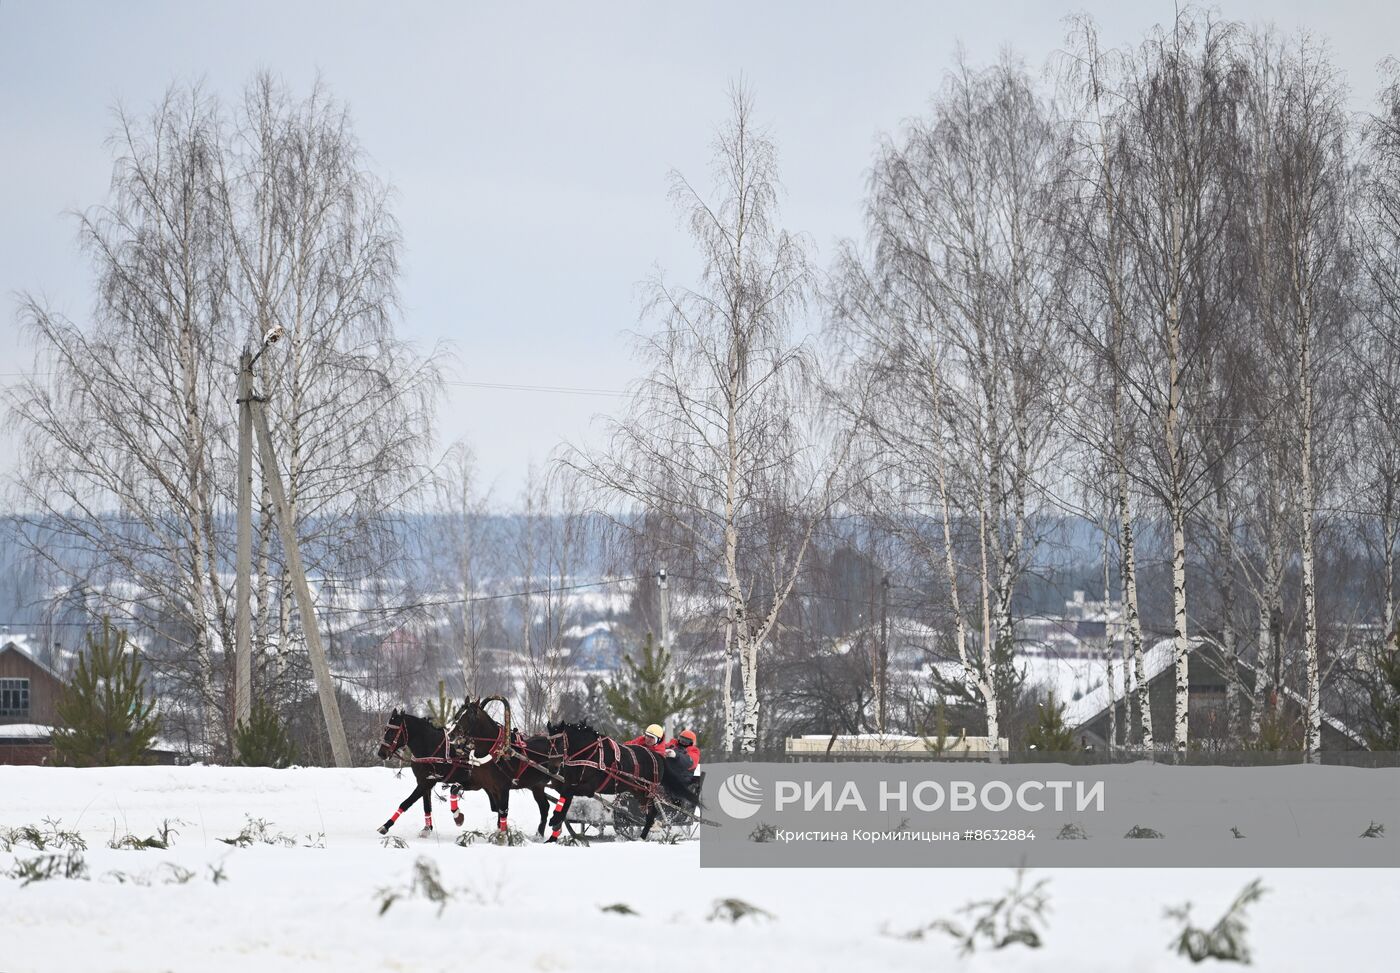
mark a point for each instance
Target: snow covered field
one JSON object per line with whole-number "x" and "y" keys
{"x": 539, "y": 907}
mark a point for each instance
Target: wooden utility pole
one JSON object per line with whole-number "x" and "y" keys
{"x": 325, "y": 686}
{"x": 243, "y": 669}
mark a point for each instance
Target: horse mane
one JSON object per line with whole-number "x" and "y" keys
{"x": 473, "y": 714}
{"x": 411, "y": 721}
{"x": 573, "y": 729}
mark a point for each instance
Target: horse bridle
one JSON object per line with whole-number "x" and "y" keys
{"x": 400, "y": 737}
{"x": 498, "y": 747}
{"x": 500, "y": 743}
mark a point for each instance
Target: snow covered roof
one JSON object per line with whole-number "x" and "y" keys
{"x": 1297, "y": 697}
{"x": 38, "y": 732}
{"x": 886, "y": 743}
{"x": 20, "y": 643}
{"x": 25, "y": 731}
{"x": 1069, "y": 677}
{"x": 1155, "y": 661}
{"x": 580, "y": 632}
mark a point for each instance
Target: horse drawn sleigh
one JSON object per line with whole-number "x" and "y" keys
{"x": 627, "y": 786}
{"x": 591, "y": 817}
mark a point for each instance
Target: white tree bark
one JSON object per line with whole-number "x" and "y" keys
{"x": 1312, "y": 741}
{"x": 1225, "y": 531}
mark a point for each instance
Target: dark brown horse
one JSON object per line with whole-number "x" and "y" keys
{"x": 594, "y": 764}
{"x": 517, "y": 763}
{"x": 439, "y": 758}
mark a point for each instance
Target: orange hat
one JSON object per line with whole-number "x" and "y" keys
{"x": 688, "y": 735}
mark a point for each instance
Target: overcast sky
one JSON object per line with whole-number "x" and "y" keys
{"x": 529, "y": 146}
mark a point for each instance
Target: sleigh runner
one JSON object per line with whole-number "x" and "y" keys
{"x": 590, "y": 817}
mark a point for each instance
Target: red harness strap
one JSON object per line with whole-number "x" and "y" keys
{"x": 579, "y": 759}
{"x": 595, "y": 756}
{"x": 633, "y": 780}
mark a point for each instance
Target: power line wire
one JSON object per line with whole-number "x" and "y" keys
{"x": 551, "y": 389}
{"x": 457, "y": 383}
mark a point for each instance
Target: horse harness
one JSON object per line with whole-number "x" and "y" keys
{"x": 594, "y": 756}
{"x": 447, "y": 752}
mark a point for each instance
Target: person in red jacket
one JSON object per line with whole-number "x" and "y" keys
{"x": 651, "y": 739}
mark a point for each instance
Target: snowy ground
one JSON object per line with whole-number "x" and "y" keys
{"x": 539, "y": 907}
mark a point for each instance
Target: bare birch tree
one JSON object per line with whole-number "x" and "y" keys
{"x": 221, "y": 224}
{"x": 1109, "y": 312}
{"x": 458, "y": 541}
{"x": 954, "y": 335}
{"x": 1178, "y": 98}
{"x": 1265, "y": 479}
{"x": 713, "y": 443}
{"x": 312, "y": 247}
{"x": 1294, "y": 197}
{"x": 1309, "y": 134}
{"x": 545, "y": 552}
{"x": 121, "y": 426}
{"x": 1376, "y": 355}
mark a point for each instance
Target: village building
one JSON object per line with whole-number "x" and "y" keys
{"x": 30, "y": 686}
{"x": 1206, "y": 677}
{"x": 29, "y": 691}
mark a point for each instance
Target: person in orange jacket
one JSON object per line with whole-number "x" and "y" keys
{"x": 686, "y": 743}
{"x": 683, "y": 766}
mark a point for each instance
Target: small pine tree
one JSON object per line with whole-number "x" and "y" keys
{"x": 263, "y": 740}
{"x": 1278, "y": 731}
{"x": 105, "y": 718}
{"x": 442, "y": 709}
{"x": 646, "y": 691}
{"x": 1049, "y": 734}
{"x": 936, "y": 743}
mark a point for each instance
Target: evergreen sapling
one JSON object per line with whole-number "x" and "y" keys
{"x": 105, "y": 718}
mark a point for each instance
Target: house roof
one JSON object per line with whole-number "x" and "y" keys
{"x": 25, "y": 731}
{"x": 1297, "y": 697}
{"x": 20, "y": 645}
{"x": 1155, "y": 661}
{"x": 1159, "y": 660}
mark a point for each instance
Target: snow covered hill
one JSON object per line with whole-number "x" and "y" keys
{"x": 314, "y": 905}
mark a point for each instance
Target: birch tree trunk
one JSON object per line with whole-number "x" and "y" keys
{"x": 972, "y": 683}
{"x": 1108, "y": 642}
{"x": 986, "y": 680}
{"x": 1256, "y": 708}
{"x": 1132, "y": 619}
{"x": 1176, "y": 500}
{"x": 1225, "y": 530}
{"x": 1388, "y": 572}
{"x": 731, "y": 729}
{"x": 1312, "y": 742}
{"x": 748, "y": 729}
{"x": 1268, "y": 670}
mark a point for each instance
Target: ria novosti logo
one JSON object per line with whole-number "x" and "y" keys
{"x": 740, "y": 796}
